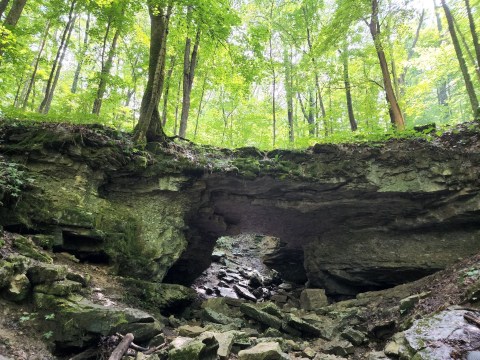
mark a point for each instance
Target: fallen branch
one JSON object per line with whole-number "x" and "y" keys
{"x": 472, "y": 319}
{"x": 155, "y": 349}
{"x": 122, "y": 348}
{"x": 133, "y": 345}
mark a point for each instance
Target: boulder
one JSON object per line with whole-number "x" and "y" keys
{"x": 190, "y": 330}
{"x": 59, "y": 288}
{"x": 263, "y": 351}
{"x": 302, "y": 326}
{"x": 356, "y": 337}
{"x": 194, "y": 349}
{"x": 313, "y": 299}
{"x": 79, "y": 322}
{"x": 261, "y": 316}
{"x": 46, "y": 273}
{"x": 27, "y": 247}
{"x": 437, "y": 336}
{"x": 165, "y": 297}
{"x": 243, "y": 292}
{"x": 338, "y": 347}
{"x": 18, "y": 289}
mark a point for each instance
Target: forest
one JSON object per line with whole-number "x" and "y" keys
{"x": 234, "y": 73}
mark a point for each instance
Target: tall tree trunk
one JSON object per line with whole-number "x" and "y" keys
{"x": 442, "y": 94}
{"x": 317, "y": 78}
{"x": 348, "y": 93}
{"x": 200, "y": 105}
{"x": 189, "y": 66}
{"x": 411, "y": 52}
{"x": 57, "y": 63}
{"x": 105, "y": 74}
{"x": 396, "y": 116}
{"x": 81, "y": 59}
{"x": 467, "y": 47}
{"x": 12, "y": 18}
{"x": 463, "y": 65}
{"x": 149, "y": 127}
{"x": 177, "y": 104}
{"x": 473, "y": 31}
{"x": 167, "y": 90}
{"x": 3, "y": 6}
{"x": 35, "y": 65}
{"x": 14, "y": 14}
{"x": 289, "y": 93}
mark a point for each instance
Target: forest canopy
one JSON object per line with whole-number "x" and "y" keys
{"x": 232, "y": 73}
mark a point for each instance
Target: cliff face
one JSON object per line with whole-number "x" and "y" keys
{"x": 350, "y": 217}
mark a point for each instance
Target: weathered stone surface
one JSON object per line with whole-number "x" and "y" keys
{"x": 261, "y": 316}
{"x": 338, "y": 347}
{"x": 27, "y": 247}
{"x": 59, "y": 288}
{"x": 18, "y": 289}
{"x": 79, "y": 322}
{"x": 243, "y": 292}
{"x": 194, "y": 349}
{"x": 263, "y": 351}
{"x": 403, "y": 209}
{"x": 165, "y": 297}
{"x": 190, "y": 330}
{"x": 437, "y": 336}
{"x": 302, "y": 326}
{"x": 313, "y": 299}
{"x": 46, "y": 273}
{"x": 354, "y": 336}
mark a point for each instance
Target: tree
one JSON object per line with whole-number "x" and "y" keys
{"x": 149, "y": 127}
{"x": 58, "y": 62}
{"x": 461, "y": 60}
{"x": 11, "y": 19}
{"x": 473, "y": 31}
{"x": 190, "y": 59}
{"x": 346, "y": 78}
{"x": 116, "y": 12}
{"x": 396, "y": 115}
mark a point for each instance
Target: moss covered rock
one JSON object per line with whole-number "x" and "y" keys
{"x": 164, "y": 297}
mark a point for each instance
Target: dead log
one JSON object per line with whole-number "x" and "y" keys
{"x": 122, "y": 348}
{"x": 133, "y": 345}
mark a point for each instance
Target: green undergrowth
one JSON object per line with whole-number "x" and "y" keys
{"x": 362, "y": 136}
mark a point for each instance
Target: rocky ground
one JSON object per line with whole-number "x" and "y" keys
{"x": 55, "y": 307}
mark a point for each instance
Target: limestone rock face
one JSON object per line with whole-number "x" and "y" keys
{"x": 350, "y": 218}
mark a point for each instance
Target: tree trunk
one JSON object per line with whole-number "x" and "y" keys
{"x": 348, "y": 93}
{"x": 463, "y": 65}
{"x": 12, "y": 18}
{"x": 200, "y": 106}
{"x": 35, "y": 66}
{"x": 83, "y": 52}
{"x": 105, "y": 74}
{"x": 317, "y": 79}
{"x": 473, "y": 31}
{"x": 3, "y": 6}
{"x": 167, "y": 90}
{"x": 289, "y": 93}
{"x": 177, "y": 102}
{"x": 442, "y": 94}
{"x": 57, "y": 63}
{"x": 149, "y": 127}
{"x": 14, "y": 14}
{"x": 467, "y": 47}
{"x": 189, "y": 66}
{"x": 396, "y": 116}
{"x": 411, "y": 52}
